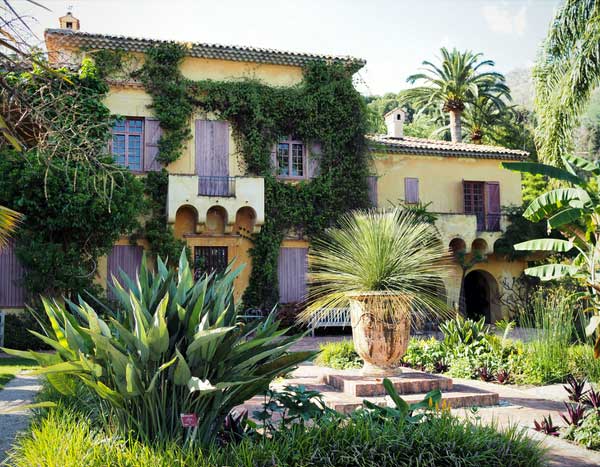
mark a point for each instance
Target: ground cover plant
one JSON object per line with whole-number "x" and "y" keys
{"x": 173, "y": 346}
{"x": 340, "y": 355}
{"x": 394, "y": 436}
{"x": 581, "y": 416}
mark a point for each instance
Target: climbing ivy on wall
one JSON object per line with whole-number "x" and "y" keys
{"x": 324, "y": 108}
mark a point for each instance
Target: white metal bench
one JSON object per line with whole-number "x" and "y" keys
{"x": 334, "y": 317}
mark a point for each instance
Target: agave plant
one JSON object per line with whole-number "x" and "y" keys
{"x": 573, "y": 210}
{"x": 176, "y": 347}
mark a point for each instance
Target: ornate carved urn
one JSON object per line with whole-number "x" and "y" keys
{"x": 380, "y": 331}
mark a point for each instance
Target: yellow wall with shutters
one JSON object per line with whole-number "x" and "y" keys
{"x": 440, "y": 179}
{"x": 132, "y": 101}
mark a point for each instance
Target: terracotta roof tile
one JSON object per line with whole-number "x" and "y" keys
{"x": 431, "y": 147}
{"x": 200, "y": 50}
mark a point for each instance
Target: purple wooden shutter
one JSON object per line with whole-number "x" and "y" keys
{"x": 314, "y": 160}
{"x": 372, "y": 189}
{"x": 152, "y": 134}
{"x": 411, "y": 190}
{"x": 12, "y": 273}
{"x": 212, "y": 157}
{"x": 292, "y": 274}
{"x": 492, "y": 206}
{"x": 126, "y": 258}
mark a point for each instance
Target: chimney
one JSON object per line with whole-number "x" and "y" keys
{"x": 69, "y": 22}
{"x": 394, "y": 120}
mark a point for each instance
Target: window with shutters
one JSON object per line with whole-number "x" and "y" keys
{"x": 209, "y": 259}
{"x": 290, "y": 158}
{"x": 483, "y": 200}
{"x": 123, "y": 259}
{"x": 292, "y": 273}
{"x": 411, "y": 190}
{"x": 372, "y": 190}
{"x": 127, "y": 144}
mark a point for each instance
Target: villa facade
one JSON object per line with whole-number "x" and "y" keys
{"x": 215, "y": 205}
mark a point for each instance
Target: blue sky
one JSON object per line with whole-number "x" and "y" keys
{"x": 394, "y": 36}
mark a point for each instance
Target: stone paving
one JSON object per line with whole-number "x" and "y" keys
{"x": 20, "y": 391}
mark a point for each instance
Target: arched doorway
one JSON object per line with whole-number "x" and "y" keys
{"x": 481, "y": 296}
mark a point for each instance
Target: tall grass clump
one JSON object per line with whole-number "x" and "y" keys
{"x": 174, "y": 346}
{"x": 552, "y": 320}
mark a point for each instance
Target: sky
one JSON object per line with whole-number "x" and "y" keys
{"x": 394, "y": 36}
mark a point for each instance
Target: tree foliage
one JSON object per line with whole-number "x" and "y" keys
{"x": 73, "y": 212}
{"x": 566, "y": 73}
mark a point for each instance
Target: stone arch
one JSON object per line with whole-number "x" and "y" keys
{"x": 216, "y": 220}
{"x": 186, "y": 219}
{"x": 245, "y": 220}
{"x": 480, "y": 246}
{"x": 457, "y": 244}
{"x": 482, "y": 296}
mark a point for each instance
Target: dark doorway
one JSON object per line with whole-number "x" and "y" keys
{"x": 478, "y": 296}
{"x": 209, "y": 259}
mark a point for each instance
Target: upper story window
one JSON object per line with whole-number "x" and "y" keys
{"x": 411, "y": 190}
{"x": 291, "y": 158}
{"x": 483, "y": 200}
{"x": 128, "y": 143}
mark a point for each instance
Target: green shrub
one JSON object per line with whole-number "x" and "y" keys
{"x": 582, "y": 363}
{"x": 588, "y": 432}
{"x": 460, "y": 332}
{"x": 351, "y": 442}
{"x": 339, "y": 355}
{"x": 176, "y": 347}
{"x": 546, "y": 356}
{"x": 426, "y": 354}
{"x": 16, "y": 334}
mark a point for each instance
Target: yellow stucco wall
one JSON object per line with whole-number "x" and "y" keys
{"x": 440, "y": 179}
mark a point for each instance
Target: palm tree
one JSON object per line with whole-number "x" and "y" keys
{"x": 483, "y": 118}
{"x": 454, "y": 84}
{"x": 8, "y": 222}
{"x": 567, "y": 71}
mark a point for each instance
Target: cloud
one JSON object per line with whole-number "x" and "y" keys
{"x": 505, "y": 19}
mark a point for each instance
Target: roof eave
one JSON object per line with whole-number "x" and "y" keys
{"x": 448, "y": 153}
{"x": 279, "y": 56}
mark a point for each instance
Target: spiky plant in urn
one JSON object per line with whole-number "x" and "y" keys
{"x": 388, "y": 269}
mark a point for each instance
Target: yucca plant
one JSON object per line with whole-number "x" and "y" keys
{"x": 387, "y": 267}
{"x": 393, "y": 253}
{"x": 176, "y": 347}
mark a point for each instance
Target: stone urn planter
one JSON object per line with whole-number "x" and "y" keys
{"x": 380, "y": 331}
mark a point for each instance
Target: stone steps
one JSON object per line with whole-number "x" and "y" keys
{"x": 345, "y": 391}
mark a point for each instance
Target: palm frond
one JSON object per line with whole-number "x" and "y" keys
{"x": 9, "y": 221}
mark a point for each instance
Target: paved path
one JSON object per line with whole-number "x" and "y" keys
{"x": 21, "y": 390}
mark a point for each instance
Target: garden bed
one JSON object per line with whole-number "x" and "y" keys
{"x": 366, "y": 440}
